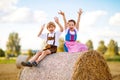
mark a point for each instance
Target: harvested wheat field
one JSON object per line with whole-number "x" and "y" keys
{"x": 10, "y": 71}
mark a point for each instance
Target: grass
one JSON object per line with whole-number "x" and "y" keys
{"x": 3, "y": 60}
{"x": 115, "y": 58}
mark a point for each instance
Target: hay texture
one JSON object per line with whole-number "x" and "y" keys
{"x": 69, "y": 66}
{"x": 91, "y": 66}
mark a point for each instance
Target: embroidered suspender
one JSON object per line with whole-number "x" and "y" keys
{"x": 51, "y": 38}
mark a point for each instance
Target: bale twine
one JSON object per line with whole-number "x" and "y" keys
{"x": 63, "y": 66}
{"x": 21, "y": 58}
{"x": 91, "y": 66}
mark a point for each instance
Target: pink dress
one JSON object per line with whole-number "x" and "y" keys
{"x": 71, "y": 45}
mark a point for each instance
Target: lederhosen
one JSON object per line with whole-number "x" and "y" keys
{"x": 51, "y": 47}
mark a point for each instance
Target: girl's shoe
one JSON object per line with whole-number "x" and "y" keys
{"x": 34, "y": 63}
{"x": 28, "y": 64}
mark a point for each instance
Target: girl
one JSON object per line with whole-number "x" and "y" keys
{"x": 71, "y": 29}
{"x": 51, "y": 40}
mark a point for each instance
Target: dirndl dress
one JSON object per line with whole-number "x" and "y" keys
{"x": 71, "y": 45}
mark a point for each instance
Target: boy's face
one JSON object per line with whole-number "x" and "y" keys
{"x": 71, "y": 25}
{"x": 51, "y": 28}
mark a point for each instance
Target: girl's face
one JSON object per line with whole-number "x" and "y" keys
{"x": 51, "y": 28}
{"x": 71, "y": 25}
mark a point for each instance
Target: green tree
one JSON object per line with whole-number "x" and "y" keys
{"x": 116, "y": 48}
{"x": 101, "y": 47}
{"x": 61, "y": 45}
{"x": 89, "y": 44}
{"x": 13, "y": 46}
{"x": 2, "y": 53}
{"x": 29, "y": 52}
{"x": 111, "y": 48}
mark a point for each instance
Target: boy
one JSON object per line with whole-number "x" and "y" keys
{"x": 51, "y": 40}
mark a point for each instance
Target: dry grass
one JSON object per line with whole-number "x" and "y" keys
{"x": 9, "y": 72}
{"x": 91, "y": 66}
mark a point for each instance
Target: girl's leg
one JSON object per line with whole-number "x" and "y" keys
{"x": 65, "y": 48}
{"x": 35, "y": 57}
{"x": 44, "y": 53}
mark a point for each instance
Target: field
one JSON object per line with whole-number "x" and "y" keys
{"x": 10, "y": 72}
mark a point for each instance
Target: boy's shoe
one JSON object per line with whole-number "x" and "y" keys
{"x": 34, "y": 63}
{"x": 28, "y": 64}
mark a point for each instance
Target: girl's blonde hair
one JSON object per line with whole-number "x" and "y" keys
{"x": 51, "y": 23}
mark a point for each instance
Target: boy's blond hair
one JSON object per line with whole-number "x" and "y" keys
{"x": 51, "y": 23}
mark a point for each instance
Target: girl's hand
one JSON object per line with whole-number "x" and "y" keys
{"x": 61, "y": 13}
{"x": 56, "y": 20}
{"x": 80, "y": 11}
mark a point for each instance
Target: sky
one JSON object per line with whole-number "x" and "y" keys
{"x": 100, "y": 19}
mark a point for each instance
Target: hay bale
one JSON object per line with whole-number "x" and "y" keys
{"x": 21, "y": 58}
{"x": 91, "y": 66}
{"x": 63, "y": 66}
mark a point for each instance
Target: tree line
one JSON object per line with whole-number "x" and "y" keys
{"x": 109, "y": 50}
{"x": 13, "y": 47}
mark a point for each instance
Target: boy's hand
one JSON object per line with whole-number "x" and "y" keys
{"x": 61, "y": 13}
{"x": 80, "y": 11}
{"x": 56, "y": 20}
{"x": 43, "y": 26}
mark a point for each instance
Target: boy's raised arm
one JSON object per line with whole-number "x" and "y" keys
{"x": 78, "y": 20}
{"x": 42, "y": 27}
{"x": 58, "y": 23}
{"x": 64, "y": 18}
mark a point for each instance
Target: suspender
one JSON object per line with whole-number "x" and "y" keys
{"x": 53, "y": 38}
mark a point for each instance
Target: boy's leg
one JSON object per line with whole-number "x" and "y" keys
{"x": 44, "y": 53}
{"x": 30, "y": 62}
{"x": 35, "y": 57}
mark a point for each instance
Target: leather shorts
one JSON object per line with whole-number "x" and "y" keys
{"x": 52, "y": 48}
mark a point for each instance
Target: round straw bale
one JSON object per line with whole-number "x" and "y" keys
{"x": 19, "y": 59}
{"x": 65, "y": 66}
{"x": 91, "y": 66}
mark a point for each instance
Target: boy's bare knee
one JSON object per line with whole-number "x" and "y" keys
{"x": 38, "y": 53}
{"x": 47, "y": 52}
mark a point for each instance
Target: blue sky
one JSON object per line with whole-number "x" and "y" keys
{"x": 100, "y": 19}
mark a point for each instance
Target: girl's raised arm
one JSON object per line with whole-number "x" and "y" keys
{"x": 78, "y": 20}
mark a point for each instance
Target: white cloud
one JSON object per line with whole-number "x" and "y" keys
{"x": 7, "y": 5}
{"x": 115, "y": 20}
{"x": 23, "y": 15}
{"x": 40, "y": 16}
{"x": 107, "y": 32}
{"x": 90, "y": 18}
{"x": 10, "y": 13}
{"x": 18, "y": 15}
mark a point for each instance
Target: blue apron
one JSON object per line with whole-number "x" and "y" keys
{"x": 69, "y": 37}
